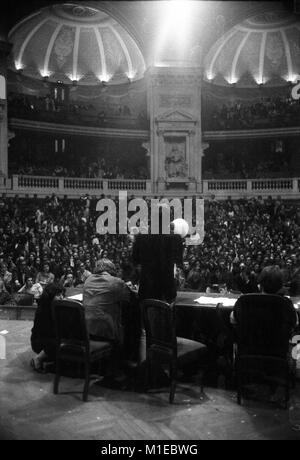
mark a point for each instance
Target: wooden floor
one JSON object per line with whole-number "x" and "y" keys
{"x": 29, "y": 410}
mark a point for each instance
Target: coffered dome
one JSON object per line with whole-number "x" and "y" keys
{"x": 75, "y": 42}
{"x": 264, "y": 49}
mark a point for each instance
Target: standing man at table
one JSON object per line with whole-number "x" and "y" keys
{"x": 157, "y": 256}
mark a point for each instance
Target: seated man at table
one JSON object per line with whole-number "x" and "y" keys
{"x": 103, "y": 293}
{"x": 271, "y": 282}
{"x": 285, "y": 320}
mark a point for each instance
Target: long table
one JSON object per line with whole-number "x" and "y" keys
{"x": 200, "y": 321}
{"x": 187, "y": 299}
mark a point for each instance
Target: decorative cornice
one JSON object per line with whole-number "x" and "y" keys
{"x": 251, "y": 133}
{"x": 175, "y": 116}
{"x": 59, "y": 128}
{"x": 170, "y": 79}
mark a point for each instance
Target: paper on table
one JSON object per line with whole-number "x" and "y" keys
{"x": 76, "y": 297}
{"x": 215, "y": 300}
{"x": 4, "y": 332}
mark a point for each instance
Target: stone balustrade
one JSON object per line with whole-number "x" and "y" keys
{"x": 74, "y": 187}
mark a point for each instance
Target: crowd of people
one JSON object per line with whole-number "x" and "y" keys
{"x": 254, "y": 162}
{"x": 93, "y": 166}
{"x": 267, "y": 112}
{"x": 42, "y": 240}
{"x": 51, "y": 109}
{"x": 95, "y": 170}
{"x": 264, "y": 113}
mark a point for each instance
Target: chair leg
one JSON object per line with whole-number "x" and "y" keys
{"x": 239, "y": 396}
{"x": 287, "y": 396}
{"x": 292, "y": 374}
{"x": 199, "y": 380}
{"x": 147, "y": 374}
{"x": 173, "y": 376}
{"x": 87, "y": 382}
{"x": 57, "y": 376}
{"x": 239, "y": 390}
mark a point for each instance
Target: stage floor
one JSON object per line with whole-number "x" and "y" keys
{"x": 29, "y": 410}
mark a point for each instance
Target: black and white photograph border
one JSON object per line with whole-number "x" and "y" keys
{"x": 149, "y": 222}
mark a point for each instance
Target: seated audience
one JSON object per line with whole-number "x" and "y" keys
{"x": 20, "y": 274}
{"x": 82, "y": 274}
{"x": 241, "y": 238}
{"x": 45, "y": 276}
{"x": 67, "y": 280}
{"x": 32, "y": 288}
{"x": 266, "y": 112}
{"x": 5, "y": 297}
{"x": 6, "y": 277}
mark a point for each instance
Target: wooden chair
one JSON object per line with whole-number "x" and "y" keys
{"x": 73, "y": 343}
{"x": 163, "y": 347}
{"x": 264, "y": 326}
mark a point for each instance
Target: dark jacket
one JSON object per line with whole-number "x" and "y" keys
{"x": 43, "y": 333}
{"x": 102, "y": 297}
{"x": 157, "y": 255}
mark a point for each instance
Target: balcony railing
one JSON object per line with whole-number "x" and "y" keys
{"x": 252, "y": 187}
{"x": 43, "y": 185}
{"x": 74, "y": 187}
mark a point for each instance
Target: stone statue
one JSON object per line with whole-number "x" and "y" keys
{"x": 146, "y": 146}
{"x": 175, "y": 163}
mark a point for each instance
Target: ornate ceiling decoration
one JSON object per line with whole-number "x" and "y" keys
{"x": 75, "y": 42}
{"x": 263, "y": 49}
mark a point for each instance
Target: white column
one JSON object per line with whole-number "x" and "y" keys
{"x": 4, "y": 51}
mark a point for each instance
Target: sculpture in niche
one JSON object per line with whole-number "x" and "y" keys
{"x": 175, "y": 163}
{"x": 146, "y": 146}
{"x": 10, "y": 136}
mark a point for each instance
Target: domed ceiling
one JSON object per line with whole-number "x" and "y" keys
{"x": 264, "y": 49}
{"x": 75, "y": 42}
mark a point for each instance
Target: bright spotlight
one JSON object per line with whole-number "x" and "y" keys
{"x": 210, "y": 76}
{"x": 259, "y": 80}
{"x": 179, "y": 14}
{"x": 19, "y": 65}
{"x": 131, "y": 75}
{"x": 232, "y": 79}
{"x": 73, "y": 77}
{"x": 291, "y": 78}
{"x": 104, "y": 78}
{"x": 175, "y": 29}
{"x": 45, "y": 73}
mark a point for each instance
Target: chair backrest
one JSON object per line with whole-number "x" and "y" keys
{"x": 69, "y": 322}
{"x": 264, "y": 324}
{"x": 160, "y": 324}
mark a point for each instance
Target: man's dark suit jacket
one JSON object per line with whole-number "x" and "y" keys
{"x": 157, "y": 255}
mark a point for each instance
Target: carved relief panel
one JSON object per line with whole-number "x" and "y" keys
{"x": 174, "y": 99}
